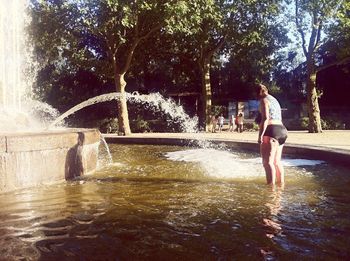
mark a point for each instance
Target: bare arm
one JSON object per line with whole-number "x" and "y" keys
{"x": 264, "y": 109}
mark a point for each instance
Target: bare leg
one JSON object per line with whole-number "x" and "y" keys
{"x": 279, "y": 166}
{"x": 268, "y": 150}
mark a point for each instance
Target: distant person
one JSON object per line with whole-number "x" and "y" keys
{"x": 213, "y": 123}
{"x": 272, "y": 136}
{"x": 221, "y": 122}
{"x": 240, "y": 122}
{"x": 232, "y": 124}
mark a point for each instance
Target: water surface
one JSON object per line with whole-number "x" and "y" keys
{"x": 173, "y": 203}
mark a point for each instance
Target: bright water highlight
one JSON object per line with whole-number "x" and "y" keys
{"x": 227, "y": 164}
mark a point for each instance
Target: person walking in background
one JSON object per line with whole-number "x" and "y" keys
{"x": 232, "y": 123}
{"x": 213, "y": 123}
{"x": 272, "y": 136}
{"x": 240, "y": 122}
{"x": 221, "y": 122}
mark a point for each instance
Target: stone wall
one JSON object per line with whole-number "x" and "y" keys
{"x": 30, "y": 159}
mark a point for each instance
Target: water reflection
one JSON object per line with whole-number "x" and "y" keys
{"x": 271, "y": 222}
{"x": 150, "y": 207}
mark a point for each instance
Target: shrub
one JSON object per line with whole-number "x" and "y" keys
{"x": 109, "y": 125}
{"x": 297, "y": 124}
{"x": 140, "y": 125}
{"x": 251, "y": 126}
{"x": 327, "y": 123}
{"x": 304, "y": 123}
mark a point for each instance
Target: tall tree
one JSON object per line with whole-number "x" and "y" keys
{"x": 102, "y": 35}
{"x": 210, "y": 38}
{"x": 310, "y": 18}
{"x": 336, "y": 51}
{"x": 60, "y": 51}
{"x": 123, "y": 25}
{"x": 220, "y": 27}
{"x": 253, "y": 51}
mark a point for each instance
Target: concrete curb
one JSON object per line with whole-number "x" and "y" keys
{"x": 31, "y": 159}
{"x": 332, "y": 155}
{"x": 25, "y": 142}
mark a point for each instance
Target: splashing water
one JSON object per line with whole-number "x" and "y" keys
{"x": 33, "y": 116}
{"x": 226, "y": 164}
{"x": 18, "y": 70}
{"x": 157, "y": 102}
{"x": 12, "y": 53}
{"x": 17, "y": 73}
{"x": 104, "y": 160}
{"x": 49, "y": 112}
{"x": 218, "y": 163}
{"x": 154, "y": 101}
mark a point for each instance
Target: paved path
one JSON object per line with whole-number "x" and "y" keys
{"x": 336, "y": 139}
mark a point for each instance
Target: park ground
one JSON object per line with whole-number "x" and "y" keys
{"x": 333, "y": 139}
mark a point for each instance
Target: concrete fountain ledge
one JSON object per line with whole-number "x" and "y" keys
{"x": 330, "y": 146}
{"x": 33, "y": 158}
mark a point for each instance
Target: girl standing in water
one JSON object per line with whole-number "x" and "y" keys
{"x": 272, "y": 136}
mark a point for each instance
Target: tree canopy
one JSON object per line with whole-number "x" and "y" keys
{"x": 216, "y": 48}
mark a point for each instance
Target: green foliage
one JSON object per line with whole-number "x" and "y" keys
{"x": 338, "y": 43}
{"x": 251, "y": 126}
{"x": 311, "y": 16}
{"x": 297, "y": 124}
{"x": 218, "y": 109}
{"x": 304, "y": 123}
{"x": 107, "y": 125}
{"x": 78, "y": 40}
{"x": 331, "y": 123}
{"x": 140, "y": 125}
{"x": 328, "y": 123}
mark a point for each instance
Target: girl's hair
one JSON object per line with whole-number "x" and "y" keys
{"x": 263, "y": 87}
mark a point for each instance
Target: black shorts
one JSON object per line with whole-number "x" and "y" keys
{"x": 278, "y": 132}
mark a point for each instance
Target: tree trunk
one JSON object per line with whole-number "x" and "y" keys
{"x": 312, "y": 99}
{"x": 206, "y": 94}
{"x": 123, "y": 116}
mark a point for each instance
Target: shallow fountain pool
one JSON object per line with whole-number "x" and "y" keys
{"x": 175, "y": 203}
